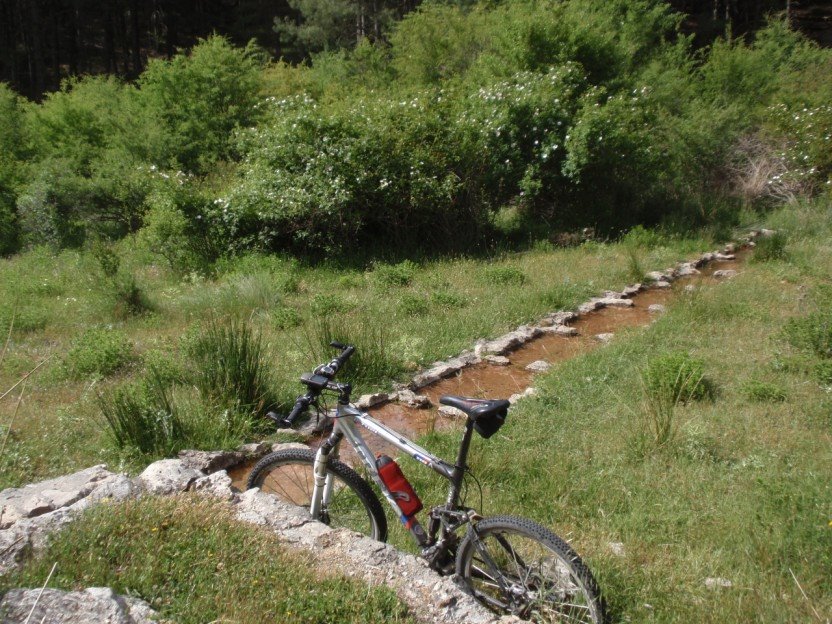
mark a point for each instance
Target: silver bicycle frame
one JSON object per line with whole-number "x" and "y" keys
{"x": 346, "y": 418}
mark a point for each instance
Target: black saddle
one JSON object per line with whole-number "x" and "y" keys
{"x": 488, "y": 416}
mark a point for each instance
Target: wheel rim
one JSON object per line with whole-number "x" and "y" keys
{"x": 294, "y": 483}
{"x": 531, "y": 580}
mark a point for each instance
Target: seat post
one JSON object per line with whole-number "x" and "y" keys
{"x": 459, "y": 467}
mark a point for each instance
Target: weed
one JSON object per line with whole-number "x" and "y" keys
{"x": 130, "y": 299}
{"x": 641, "y": 237}
{"x": 811, "y": 333}
{"x": 764, "y": 392}
{"x": 635, "y": 268}
{"x": 448, "y": 299}
{"x": 414, "y": 305}
{"x": 285, "y": 317}
{"x": 324, "y": 304}
{"x": 504, "y": 276}
{"x": 349, "y": 281}
{"x": 566, "y": 295}
{"x": 229, "y": 367}
{"x": 98, "y": 352}
{"x": 770, "y": 248}
{"x": 823, "y": 372}
{"x": 394, "y": 275}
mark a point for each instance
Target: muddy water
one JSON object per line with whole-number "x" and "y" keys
{"x": 491, "y": 381}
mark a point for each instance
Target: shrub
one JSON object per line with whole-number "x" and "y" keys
{"x": 504, "y": 276}
{"x": 812, "y": 333}
{"x": 230, "y": 368}
{"x": 284, "y": 317}
{"x": 99, "y": 352}
{"x": 387, "y": 275}
{"x": 325, "y": 304}
{"x": 770, "y": 248}
{"x": 414, "y": 305}
{"x": 201, "y": 99}
{"x": 764, "y": 392}
{"x": 448, "y": 299}
{"x": 823, "y": 372}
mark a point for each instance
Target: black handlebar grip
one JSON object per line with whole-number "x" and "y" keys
{"x": 300, "y": 406}
{"x": 337, "y": 345}
{"x": 345, "y": 355}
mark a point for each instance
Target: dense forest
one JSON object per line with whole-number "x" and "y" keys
{"x": 505, "y": 121}
{"x": 45, "y": 41}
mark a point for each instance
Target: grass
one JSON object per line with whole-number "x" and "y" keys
{"x": 194, "y": 563}
{"x": 741, "y": 491}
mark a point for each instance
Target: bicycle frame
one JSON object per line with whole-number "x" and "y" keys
{"x": 346, "y": 418}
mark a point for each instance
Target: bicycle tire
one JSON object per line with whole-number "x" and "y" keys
{"x": 556, "y": 587}
{"x": 289, "y": 476}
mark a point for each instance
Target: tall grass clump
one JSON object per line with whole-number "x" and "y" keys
{"x": 372, "y": 365}
{"x": 668, "y": 380}
{"x": 144, "y": 419}
{"x": 230, "y": 368}
{"x": 98, "y": 351}
{"x": 770, "y": 248}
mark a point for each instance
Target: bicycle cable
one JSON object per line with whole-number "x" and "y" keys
{"x": 479, "y": 487}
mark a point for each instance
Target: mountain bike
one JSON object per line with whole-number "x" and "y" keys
{"x": 510, "y": 564}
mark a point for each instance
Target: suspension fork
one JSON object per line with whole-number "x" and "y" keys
{"x": 322, "y": 492}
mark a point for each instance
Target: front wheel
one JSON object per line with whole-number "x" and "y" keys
{"x": 514, "y": 565}
{"x": 290, "y": 476}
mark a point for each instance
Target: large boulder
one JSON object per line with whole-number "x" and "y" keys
{"x": 168, "y": 476}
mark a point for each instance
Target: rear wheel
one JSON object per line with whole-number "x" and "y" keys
{"x": 289, "y": 475}
{"x": 516, "y": 566}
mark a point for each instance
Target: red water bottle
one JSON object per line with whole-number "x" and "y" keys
{"x": 399, "y": 486}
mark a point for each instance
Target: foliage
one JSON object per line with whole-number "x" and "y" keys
{"x": 98, "y": 351}
{"x": 201, "y": 99}
{"x": 675, "y": 377}
{"x": 771, "y": 247}
{"x": 811, "y": 333}
{"x": 387, "y": 275}
{"x": 501, "y": 275}
{"x": 764, "y": 391}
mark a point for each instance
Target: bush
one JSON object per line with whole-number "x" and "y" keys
{"x": 764, "y": 392}
{"x": 285, "y": 318}
{"x": 387, "y": 275}
{"x": 448, "y": 299}
{"x": 770, "y": 248}
{"x": 230, "y": 368}
{"x": 100, "y": 352}
{"x": 414, "y": 305}
{"x": 504, "y": 276}
{"x": 201, "y": 99}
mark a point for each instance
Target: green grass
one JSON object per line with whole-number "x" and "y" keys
{"x": 743, "y": 490}
{"x": 194, "y": 563}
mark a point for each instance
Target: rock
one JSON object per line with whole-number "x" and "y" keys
{"x": 605, "y": 337}
{"x": 366, "y": 401}
{"x": 217, "y": 485}
{"x": 451, "y": 412}
{"x": 528, "y": 392}
{"x": 659, "y": 276}
{"x": 611, "y": 294}
{"x": 764, "y": 233}
{"x": 440, "y": 370}
{"x": 562, "y": 317}
{"x": 590, "y": 306}
{"x": 40, "y": 498}
{"x": 282, "y": 446}
{"x": 722, "y": 256}
{"x": 509, "y": 341}
{"x": 561, "y": 330}
{"x": 539, "y": 366}
{"x": 687, "y": 269}
{"x": 168, "y": 476}
{"x": 211, "y": 461}
{"x": 656, "y": 308}
{"x": 314, "y": 425}
{"x": 689, "y": 288}
{"x": 497, "y": 360}
{"x": 632, "y": 290}
{"x": 616, "y": 302}
{"x": 254, "y": 450}
{"x": 729, "y": 248}
{"x": 725, "y": 274}
{"x": 716, "y": 581}
{"x": 704, "y": 259}
{"x": 661, "y": 284}
{"x": 96, "y": 605}
{"x": 617, "y": 548}
{"x": 411, "y": 399}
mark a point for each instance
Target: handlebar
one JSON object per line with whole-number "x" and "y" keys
{"x": 326, "y": 370}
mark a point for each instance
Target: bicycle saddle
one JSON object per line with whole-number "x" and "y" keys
{"x": 475, "y": 408}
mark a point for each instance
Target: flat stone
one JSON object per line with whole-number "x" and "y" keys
{"x": 411, "y": 399}
{"x": 36, "y": 499}
{"x": 616, "y": 302}
{"x": 211, "y": 461}
{"x": 714, "y": 582}
{"x": 562, "y": 316}
{"x": 725, "y": 274}
{"x": 96, "y": 605}
{"x": 497, "y": 360}
{"x": 451, "y": 412}
{"x": 722, "y": 256}
{"x": 704, "y": 259}
{"x": 632, "y": 290}
{"x": 168, "y": 476}
{"x": 661, "y": 284}
{"x": 605, "y": 337}
{"x": 254, "y": 450}
{"x": 729, "y": 248}
{"x": 687, "y": 269}
{"x": 528, "y": 392}
{"x": 366, "y": 401}
{"x": 764, "y": 233}
{"x": 539, "y": 366}
{"x": 440, "y": 370}
{"x": 659, "y": 276}
{"x": 283, "y": 446}
{"x": 561, "y": 330}
{"x": 509, "y": 341}
{"x": 656, "y": 308}
{"x": 590, "y": 306}
{"x": 617, "y": 548}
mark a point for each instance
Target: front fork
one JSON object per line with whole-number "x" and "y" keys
{"x": 324, "y": 482}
